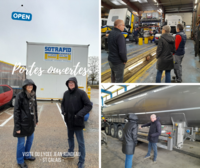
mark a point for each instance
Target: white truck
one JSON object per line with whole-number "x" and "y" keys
{"x": 172, "y": 21}
{"x": 54, "y": 57}
{"x": 129, "y": 19}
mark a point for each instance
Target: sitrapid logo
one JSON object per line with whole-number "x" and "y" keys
{"x": 58, "y": 53}
{"x": 21, "y": 16}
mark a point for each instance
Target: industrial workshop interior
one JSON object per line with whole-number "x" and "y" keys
{"x": 145, "y": 124}
{"x": 143, "y": 22}
{"x": 100, "y": 84}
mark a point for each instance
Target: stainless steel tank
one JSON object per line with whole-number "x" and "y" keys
{"x": 162, "y": 101}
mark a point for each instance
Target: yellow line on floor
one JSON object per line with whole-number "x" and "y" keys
{"x": 108, "y": 70}
{"x": 132, "y": 52}
{"x": 135, "y": 77}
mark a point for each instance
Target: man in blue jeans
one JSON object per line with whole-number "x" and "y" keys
{"x": 154, "y": 132}
{"x": 75, "y": 105}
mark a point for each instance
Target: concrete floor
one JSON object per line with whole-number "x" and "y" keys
{"x": 51, "y": 136}
{"x": 113, "y": 157}
{"x": 190, "y": 65}
{"x": 131, "y": 48}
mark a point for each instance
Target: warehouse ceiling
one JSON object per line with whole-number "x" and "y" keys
{"x": 114, "y": 89}
{"x": 169, "y": 6}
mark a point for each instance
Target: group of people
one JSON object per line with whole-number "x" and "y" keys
{"x": 130, "y": 137}
{"x": 170, "y": 53}
{"x": 75, "y": 105}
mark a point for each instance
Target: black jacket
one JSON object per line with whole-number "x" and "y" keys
{"x": 154, "y": 131}
{"x": 130, "y": 135}
{"x": 75, "y": 105}
{"x": 116, "y": 47}
{"x": 23, "y": 120}
{"x": 165, "y": 50}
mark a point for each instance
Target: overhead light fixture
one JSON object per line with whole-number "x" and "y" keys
{"x": 155, "y": 1}
{"x": 195, "y": 1}
{"x": 135, "y": 65}
{"x": 163, "y": 88}
{"x": 195, "y": 6}
{"x": 118, "y": 2}
{"x": 119, "y": 102}
{"x": 137, "y": 96}
{"x": 153, "y": 54}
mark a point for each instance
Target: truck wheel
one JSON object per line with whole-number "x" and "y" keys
{"x": 107, "y": 129}
{"x": 120, "y": 133}
{"x": 103, "y": 42}
{"x": 12, "y": 102}
{"x": 113, "y": 130}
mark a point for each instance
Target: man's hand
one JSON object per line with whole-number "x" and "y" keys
{"x": 18, "y": 132}
{"x": 140, "y": 127}
{"x": 37, "y": 123}
{"x": 124, "y": 62}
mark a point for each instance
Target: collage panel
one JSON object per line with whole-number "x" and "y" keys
{"x": 150, "y": 41}
{"x": 150, "y": 126}
{"x": 49, "y": 84}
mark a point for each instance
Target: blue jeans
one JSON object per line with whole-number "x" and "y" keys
{"x": 154, "y": 146}
{"x": 81, "y": 143}
{"x": 167, "y": 76}
{"x": 21, "y": 148}
{"x": 128, "y": 161}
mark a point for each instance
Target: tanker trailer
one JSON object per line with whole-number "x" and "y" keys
{"x": 178, "y": 108}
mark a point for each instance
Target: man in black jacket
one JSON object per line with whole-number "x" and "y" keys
{"x": 136, "y": 32}
{"x": 130, "y": 139}
{"x": 117, "y": 52}
{"x": 154, "y": 132}
{"x": 75, "y": 105}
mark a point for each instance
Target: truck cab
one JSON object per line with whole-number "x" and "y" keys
{"x": 129, "y": 20}
{"x": 171, "y": 21}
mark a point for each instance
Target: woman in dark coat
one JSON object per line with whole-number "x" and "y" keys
{"x": 165, "y": 50}
{"x": 130, "y": 139}
{"x": 25, "y": 120}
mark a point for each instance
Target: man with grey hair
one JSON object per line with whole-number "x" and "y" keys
{"x": 154, "y": 132}
{"x": 180, "y": 41}
{"x": 165, "y": 51}
{"x": 117, "y": 56}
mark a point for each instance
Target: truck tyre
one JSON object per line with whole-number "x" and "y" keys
{"x": 113, "y": 130}
{"x": 120, "y": 133}
{"x": 107, "y": 129}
